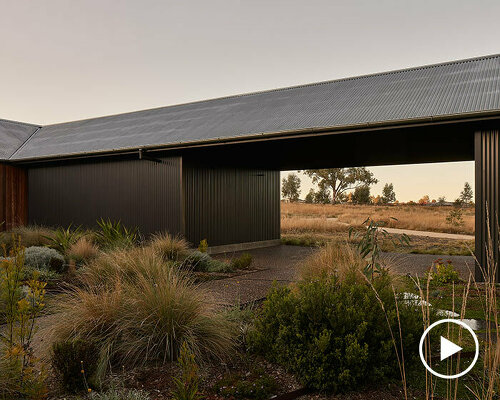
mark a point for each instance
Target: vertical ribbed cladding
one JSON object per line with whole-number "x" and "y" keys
{"x": 487, "y": 196}
{"x": 231, "y": 205}
{"x": 140, "y": 193}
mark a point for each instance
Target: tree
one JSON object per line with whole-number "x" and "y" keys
{"x": 388, "y": 195}
{"x": 424, "y": 200}
{"x": 361, "y": 195}
{"x": 310, "y": 196}
{"x": 466, "y": 195}
{"x": 291, "y": 187}
{"x": 322, "y": 196}
{"x": 441, "y": 200}
{"x": 341, "y": 180}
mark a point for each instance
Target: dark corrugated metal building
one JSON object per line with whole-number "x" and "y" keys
{"x": 210, "y": 169}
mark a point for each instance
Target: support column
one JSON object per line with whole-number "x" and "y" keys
{"x": 487, "y": 166}
{"x": 13, "y": 197}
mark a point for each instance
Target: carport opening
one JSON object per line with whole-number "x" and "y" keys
{"x": 432, "y": 203}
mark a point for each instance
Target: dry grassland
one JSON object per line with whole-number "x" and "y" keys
{"x": 330, "y": 218}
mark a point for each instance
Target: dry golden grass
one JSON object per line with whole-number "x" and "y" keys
{"x": 336, "y": 258}
{"x": 307, "y": 225}
{"x": 139, "y": 309}
{"x": 301, "y": 217}
{"x": 169, "y": 247}
{"x": 83, "y": 250}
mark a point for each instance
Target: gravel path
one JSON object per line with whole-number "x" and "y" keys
{"x": 440, "y": 235}
{"x": 281, "y": 263}
{"x": 419, "y": 263}
{"x": 277, "y": 263}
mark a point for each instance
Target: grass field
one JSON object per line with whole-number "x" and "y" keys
{"x": 316, "y": 224}
{"x": 327, "y": 218}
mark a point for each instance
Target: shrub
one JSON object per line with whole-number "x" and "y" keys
{"x": 69, "y": 359}
{"x": 203, "y": 246}
{"x": 242, "y": 262}
{"x": 113, "y": 235}
{"x": 441, "y": 273}
{"x": 22, "y": 303}
{"x": 27, "y": 236}
{"x": 186, "y": 387}
{"x": 139, "y": 309}
{"x": 83, "y": 250}
{"x": 333, "y": 334}
{"x": 202, "y": 262}
{"x": 63, "y": 238}
{"x": 43, "y": 258}
{"x": 455, "y": 217}
{"x": 169, "y": 247}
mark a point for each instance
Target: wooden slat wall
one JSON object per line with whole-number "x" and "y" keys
{"x": 13, "y": 196}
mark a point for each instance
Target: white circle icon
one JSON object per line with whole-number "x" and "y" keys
{"x": 448, "y": 348}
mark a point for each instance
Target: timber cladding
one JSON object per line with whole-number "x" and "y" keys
{"x": 13, "y": 196}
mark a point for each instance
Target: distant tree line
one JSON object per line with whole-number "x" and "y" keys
{"x": 352, "y": 185}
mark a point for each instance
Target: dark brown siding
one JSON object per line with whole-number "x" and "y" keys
{"x": 487, "y": 194}
{"x": 139, "y": 193}
{"x": 13, "y": 196}
{"x": 230, "y": 205}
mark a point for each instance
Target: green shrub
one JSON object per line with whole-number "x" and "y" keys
{"x": 242, "y": 262}
{"x": 333, "y": 334}
{"x": 202, "y": 262}
{"x": 114, "y": 235}
{"x": 138, "y": 310}
{"x": 69, "y": 359}
{"x": 442, "y": 273}
{"x": 203, "y": 246}
{"x": 63, "y": 238}
{"x": 186, "y": 387}
{"x": 256, "y": 385}
{"x": 43, "y": 258}
{"x": 169, "y": 247}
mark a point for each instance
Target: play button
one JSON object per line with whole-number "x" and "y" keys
{"x": 448, "y": 348}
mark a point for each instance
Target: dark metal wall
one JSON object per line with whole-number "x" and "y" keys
{"x": 13, "y": 196}
{"x": 231, "y": 205}
{"x": 487, "y": 155}
{"x": 139, "y": 193}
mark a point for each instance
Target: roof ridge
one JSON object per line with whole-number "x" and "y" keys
{"x": 390, "y": 72}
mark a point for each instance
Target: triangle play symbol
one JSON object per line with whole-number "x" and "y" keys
{"x": 448, "y": 348}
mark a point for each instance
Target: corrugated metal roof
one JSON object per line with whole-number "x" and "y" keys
{"x": 449, "y": 89}
{"x": 12, "y": 135}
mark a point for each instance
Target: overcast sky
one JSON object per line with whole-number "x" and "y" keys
{"x": 66, "y": 60}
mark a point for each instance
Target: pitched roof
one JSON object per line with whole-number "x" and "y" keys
{"x": 12, "y": 136}
{"x": 450, "y": 89}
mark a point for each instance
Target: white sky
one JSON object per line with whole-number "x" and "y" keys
{"x": 64, "y": 60}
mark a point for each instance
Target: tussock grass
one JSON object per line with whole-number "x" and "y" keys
{"x": 420, "y": 218}
{"x": 169, "y": 247}
{"x": 31, "y": 235}
{"x": 83, "y": 250}
{"x": 335, "y": 258}
{"x": 139, "y": 309}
